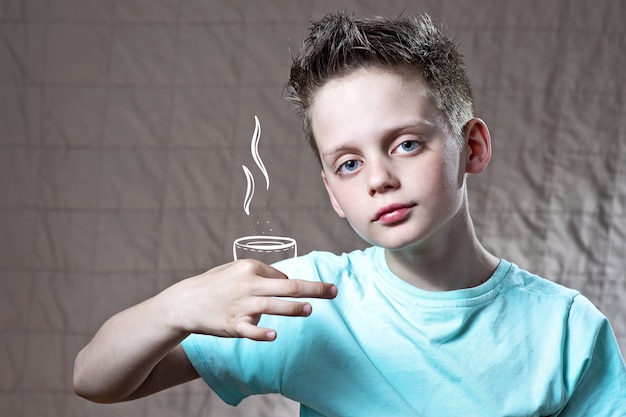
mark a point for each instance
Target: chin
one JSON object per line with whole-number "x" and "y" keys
{"x": 399, "y": 246}
{"x": 398, "y": 237}
{"x": 393, "y": 244}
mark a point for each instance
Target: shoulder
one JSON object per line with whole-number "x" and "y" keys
{"x": 524, "y": 282}
{"x": 546, "y": 307}
{"x": 554, "y": 301}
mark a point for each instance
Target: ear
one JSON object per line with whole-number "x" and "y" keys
{"x": 333, "y": 200}
{"x": 478, "y": 143}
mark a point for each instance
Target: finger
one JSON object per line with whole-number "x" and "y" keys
{"x": 278, "y": 307}
{"x": 294, "y": 288}
{"x": 254, "y": 267}
{"x": 250, "y": 331}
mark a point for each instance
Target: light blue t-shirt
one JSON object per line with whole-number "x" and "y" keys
{"x": 517, "y": 345}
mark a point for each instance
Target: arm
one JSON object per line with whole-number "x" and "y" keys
{"x": 137, "y": 352}
{"x": 597, "y": 374}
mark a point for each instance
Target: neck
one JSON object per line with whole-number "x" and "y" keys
{"x": 453, "y": 260}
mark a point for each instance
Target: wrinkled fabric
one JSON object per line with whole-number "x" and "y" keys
{"x": 124, "y": 126}
{"x": 517, "y": 345}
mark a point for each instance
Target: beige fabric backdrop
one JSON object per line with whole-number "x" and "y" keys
{"x": 124, "y": 125}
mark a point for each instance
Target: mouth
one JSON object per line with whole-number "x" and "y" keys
{"x": 392, "y": 213}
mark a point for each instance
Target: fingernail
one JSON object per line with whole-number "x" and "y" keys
{"x": 307, "y": 309}
{"x": 333, "y": 291}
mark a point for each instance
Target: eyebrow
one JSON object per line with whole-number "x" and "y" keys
{"x": 412, "y": 125}
{"x": 338, "y": 150}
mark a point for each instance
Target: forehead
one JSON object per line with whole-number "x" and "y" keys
{"x": 369, "y": 102}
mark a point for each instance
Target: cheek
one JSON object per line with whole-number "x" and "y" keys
{"x": 453, "y": 177}
{"x": 442, "y": 183}
{"x": 350, "y": 203}
{"x": 336, "y": 194}
{"x": 344, "y": 195}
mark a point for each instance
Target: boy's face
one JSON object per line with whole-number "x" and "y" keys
{"x": 389, "y": 163}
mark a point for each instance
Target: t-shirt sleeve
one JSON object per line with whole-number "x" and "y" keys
{"x": 236, "y": 368}
{"x": 202, "y": 351}
{"x": 595, "y": 372}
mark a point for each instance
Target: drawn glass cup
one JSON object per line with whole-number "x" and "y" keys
{"x": 267, "y": 249}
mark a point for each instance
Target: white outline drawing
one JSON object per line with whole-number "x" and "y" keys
{"x": 269, "y": 249}
{"x": 278, "y": 245}
{"x": 254, "y": 150}
{"x": 249, "y": 191}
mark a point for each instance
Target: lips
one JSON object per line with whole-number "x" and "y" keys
{"x": 392, "y": 213}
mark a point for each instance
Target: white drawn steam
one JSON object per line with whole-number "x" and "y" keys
{"x": 249, "y": 191}
{"x": 268, "y": 249}
{"x": 254, "y": 150}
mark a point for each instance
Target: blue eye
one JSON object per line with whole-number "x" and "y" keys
{"x": 348, "y": 167}
{"x": 408, "y": 146}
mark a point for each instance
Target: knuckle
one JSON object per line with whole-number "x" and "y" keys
{"x": 247, "y": 265}
{"x": 292, "y": 288}
{"x": 262, "y": 304}
{"x": 233, "y": 330}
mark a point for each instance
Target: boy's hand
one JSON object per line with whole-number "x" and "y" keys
{"x": 229, "y": 300}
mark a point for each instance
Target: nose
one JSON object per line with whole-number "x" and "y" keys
{"x": 381, "y": 178}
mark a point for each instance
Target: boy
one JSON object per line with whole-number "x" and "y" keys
{"x": 425, "y": 322}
